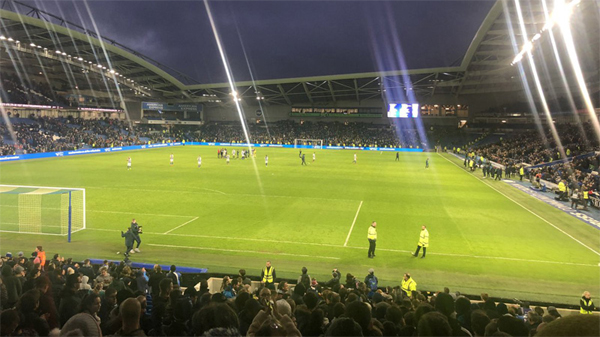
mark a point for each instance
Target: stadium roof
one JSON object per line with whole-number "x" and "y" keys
{"x": 54, "y": 46}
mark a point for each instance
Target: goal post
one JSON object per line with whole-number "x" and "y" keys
{"x": 42, "y": 210}
{"x": 313, "y": 143}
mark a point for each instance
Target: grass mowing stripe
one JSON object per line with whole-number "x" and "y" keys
{"x": 353, "y": 222}
{"x": 489, "y": 257}
{"x": 222, "y": 193}
{"x": 229, "y": 238}
{"x": 185, "y": 223}
{"x": 525, "y": 208}
{"x": 352, "y": 247}
{"x": 244, "y": 251}
{"x": 136, "y": 213}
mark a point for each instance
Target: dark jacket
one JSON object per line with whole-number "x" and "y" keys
{"x": 13, "y": 286}
{"x": 129, "y": 238}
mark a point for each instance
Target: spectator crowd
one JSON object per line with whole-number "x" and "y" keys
{"x": 46, "y": 134}
{"x": 56, "y": 296}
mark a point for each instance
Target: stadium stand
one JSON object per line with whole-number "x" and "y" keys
{"x": 47, "y": 134}
{"x": 58, "y": 293}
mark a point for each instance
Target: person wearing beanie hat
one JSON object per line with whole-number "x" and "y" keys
{"x": 371, "y": 282}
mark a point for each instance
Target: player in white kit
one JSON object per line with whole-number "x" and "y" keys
{"x": 354, "y": 159}
{"x": 171, "y": 159}
{"x": 199, "y": 161}
{"x": 227, "y": 157}
{"x": 266, "y": 160}
{"x": 314, "y": 156}
{"x": 129, "y": 163}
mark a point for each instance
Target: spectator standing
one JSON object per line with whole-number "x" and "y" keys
{"x": 69, "y": 299}
{"x": 304, "y": 278}
{"x": 154, "y": 280}
{"x": 41, "y": 254}
{"x": 130, "y": 312}
{"x": 13, "y": 285}
{"x": 174, "y": 275}
{"x": 371, "y": 282}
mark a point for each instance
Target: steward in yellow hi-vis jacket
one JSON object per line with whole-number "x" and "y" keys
{"x": 423, "y": 242}
{"x": 372, "y": 236}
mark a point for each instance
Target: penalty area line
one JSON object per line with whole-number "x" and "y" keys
{"x": 243, "y": 251}
{"x": 525, "y": 208}
{"x": 353, "y": 222}
{"x": 183, "y": 224}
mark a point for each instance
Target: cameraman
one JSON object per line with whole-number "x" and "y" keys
{"x": 136, "y": 230}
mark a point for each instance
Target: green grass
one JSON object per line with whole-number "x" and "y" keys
{"x": 295, "y": 216}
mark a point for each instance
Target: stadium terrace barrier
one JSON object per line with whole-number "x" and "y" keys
{"x": 150, "y": 266}
{"x": 159, "y": 145}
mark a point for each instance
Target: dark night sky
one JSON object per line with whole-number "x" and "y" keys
{"x": 286, "y": 38}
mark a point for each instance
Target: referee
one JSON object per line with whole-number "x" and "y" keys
{"x": 372, "y": 236}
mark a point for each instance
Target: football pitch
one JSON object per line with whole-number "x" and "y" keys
{"x": 485, "y": 236}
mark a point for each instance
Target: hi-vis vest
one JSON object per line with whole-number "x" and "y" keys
{"x": 562, "y": 187}
{"x": 268, "y": 275}
{"x": 586, "y": 195}
{"x": 409, "y": 286}
{"x": 587, "y": 303}
{"x": 522, "y": 171}
{"x": 424, "y": 238}
{"x": 372, "y": 235}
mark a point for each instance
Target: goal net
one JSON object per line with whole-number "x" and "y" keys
{"x": 312, "y": 143}
{"x": 42, "y": 210}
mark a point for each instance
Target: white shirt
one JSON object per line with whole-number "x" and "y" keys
{"x": 199, "y": 160}
{"x": 266, "y": 159}
{"x": 314, "y": 156}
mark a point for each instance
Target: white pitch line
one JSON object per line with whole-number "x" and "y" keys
{"x": 135, "y": 213}
{"x": 185, "y": 223}
{"x": 347, "y": 247}
{"x": 220, "y": 192}
{"x": 487, "y": 257}
{"x": 353, "y": 222}
{"x": 244, "y": 251}
{"x": 525, "y": 208}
